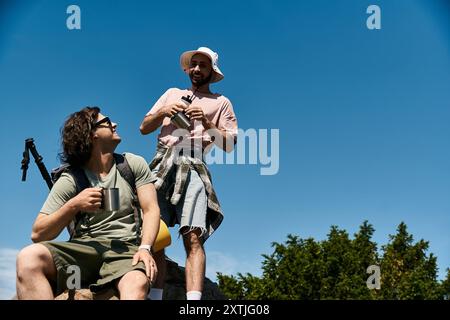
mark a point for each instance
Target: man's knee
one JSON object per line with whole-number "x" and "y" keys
{"x": 35, "y": 258}
{"x": 192, "y": 240}
{"x": 134, "y": 281}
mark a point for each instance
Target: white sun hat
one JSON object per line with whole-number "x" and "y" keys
{"x": 185, "y": 60}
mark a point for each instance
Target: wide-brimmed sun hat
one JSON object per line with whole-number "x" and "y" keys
{"x": 186, "y": 57}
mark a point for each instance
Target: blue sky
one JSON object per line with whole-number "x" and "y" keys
{"x": 362, "y": 114}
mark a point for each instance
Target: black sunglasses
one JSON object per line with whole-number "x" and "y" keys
{"x": 101, "y": 122}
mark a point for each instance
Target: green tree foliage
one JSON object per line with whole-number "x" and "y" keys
{"x": 445, "y": 287}
{"x": 336, "y": 268}
{"x": 407, "y": 273}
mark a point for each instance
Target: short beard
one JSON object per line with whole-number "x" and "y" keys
{"x": 202, "y": 81}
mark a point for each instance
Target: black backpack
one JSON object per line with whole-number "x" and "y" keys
{"x": 82, "y": 182}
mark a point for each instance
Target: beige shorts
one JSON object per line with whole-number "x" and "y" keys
{"x": 99, "y": 262}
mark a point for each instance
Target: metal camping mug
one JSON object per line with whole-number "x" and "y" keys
{"x": 111, "y": 200}
{"x": 180, "y": 119}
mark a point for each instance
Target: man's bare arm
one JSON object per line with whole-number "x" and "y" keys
{"x": 227, "y": 140}
{"x": 154, "y": 121}
{"x": 49, "y": 226}
{"x": 150, "y": 227}
{"x": 150, "y": 211}
{"x": 151, "y": 122}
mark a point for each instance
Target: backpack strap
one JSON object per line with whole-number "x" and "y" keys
{"x": 125, "y": 171}
{"x": 81, "y": 183}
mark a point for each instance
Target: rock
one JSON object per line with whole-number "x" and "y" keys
{"x": 82, "y": 294}
{"x": 174, "y": 289}
{"x": 86, "y": 294}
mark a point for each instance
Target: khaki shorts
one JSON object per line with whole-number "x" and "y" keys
{"x": 100, "y": 262}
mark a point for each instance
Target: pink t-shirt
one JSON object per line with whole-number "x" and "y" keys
{"x": 217, "y": 109}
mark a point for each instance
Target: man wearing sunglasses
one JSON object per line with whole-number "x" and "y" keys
{"x": 106, "y": 245}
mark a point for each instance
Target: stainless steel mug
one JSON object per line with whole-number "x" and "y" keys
{"x": 180, "y": 119}
{"x": 111, "y": 200}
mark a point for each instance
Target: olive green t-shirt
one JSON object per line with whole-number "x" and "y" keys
{"x": 101, "y": 224}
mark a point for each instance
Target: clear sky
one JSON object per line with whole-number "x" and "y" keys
{"x": 362, "y": 114}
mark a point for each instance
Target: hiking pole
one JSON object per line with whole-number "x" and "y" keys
{"x": 29, "y": 146}
{"x": 25, "y": 162}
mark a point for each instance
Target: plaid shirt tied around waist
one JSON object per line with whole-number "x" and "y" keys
{"x": 170, "y": 159}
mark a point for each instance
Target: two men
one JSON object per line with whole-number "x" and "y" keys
{"x": 107, "y": 247}
{"x": 185, "y": 193}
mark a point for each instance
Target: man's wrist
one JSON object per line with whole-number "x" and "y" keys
{"x": 146, "y": 247}
{"x": 73, "y": 206}
{"x": 163, "y": 113}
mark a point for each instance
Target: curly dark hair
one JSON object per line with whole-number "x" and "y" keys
{"x": 76, "y": 136}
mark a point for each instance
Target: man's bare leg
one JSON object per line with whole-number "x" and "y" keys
{"x": 133, "y": 285}
{"x": 35, "y": 269}
{"x": 195, "y": 261}
{"x": 156, "y": 291}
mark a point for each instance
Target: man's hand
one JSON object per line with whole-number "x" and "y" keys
{"x": 172, "y": 109}
{"x": 88, "y": 200}
{"x": 195, "y": 113}
{"x": 150, "y": 266}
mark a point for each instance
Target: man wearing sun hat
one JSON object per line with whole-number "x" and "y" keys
{"x": 185, "y": 193}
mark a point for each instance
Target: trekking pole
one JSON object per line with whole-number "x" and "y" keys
{"x": 29, "y": 146}
{"x": 25, "y": 162}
